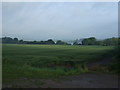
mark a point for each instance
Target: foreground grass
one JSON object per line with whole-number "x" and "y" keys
{"x": 44, "y": 61}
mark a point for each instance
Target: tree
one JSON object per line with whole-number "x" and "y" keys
{"x": 89, "y": 41}
{"x": 42, "y": 42}
{"x": 15, "y": 40}
{"x": 77, "y": 42}
{"x": 85, "y": 41}
{"x": 111, "y": 41}
{"x": 50, "y": 41}
{"x": 7, "y": 40}
{"x": 59, "y": 42}
{"x": 21, "y": 41}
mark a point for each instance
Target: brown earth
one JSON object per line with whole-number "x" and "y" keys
{"x": 89, "y": 80}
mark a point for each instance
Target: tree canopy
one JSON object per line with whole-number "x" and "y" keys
{"x": 86, "y": 41}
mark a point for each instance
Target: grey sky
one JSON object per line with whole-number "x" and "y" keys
{"x": 64, "y": 21}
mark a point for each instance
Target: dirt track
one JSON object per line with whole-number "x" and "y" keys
{"x": 80, "y": 81}
{"x": 85, "y": 81}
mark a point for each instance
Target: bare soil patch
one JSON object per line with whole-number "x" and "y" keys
{"x": 89, "y": 80}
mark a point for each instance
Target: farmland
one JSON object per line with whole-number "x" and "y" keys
{"x": 44, "y": 61}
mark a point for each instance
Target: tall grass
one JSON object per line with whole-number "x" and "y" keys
{"x": 43, "y": 61}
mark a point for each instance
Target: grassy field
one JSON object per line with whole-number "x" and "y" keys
{"x": 44, "y": 61}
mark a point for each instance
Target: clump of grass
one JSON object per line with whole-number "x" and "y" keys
{"x": 34, "y": 72}
{"x": 100, "y": 68}
{"x": 115, "y": 64}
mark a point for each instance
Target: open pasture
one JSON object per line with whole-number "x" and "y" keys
{"x": 44, "y": 61}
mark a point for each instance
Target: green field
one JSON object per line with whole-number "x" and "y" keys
{"x": 44, "y": 61}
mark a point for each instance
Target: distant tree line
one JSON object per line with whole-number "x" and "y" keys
{"x": 85, "y": 41}
{"x": 93, "y": 41}
{"x": 9, "y": 40}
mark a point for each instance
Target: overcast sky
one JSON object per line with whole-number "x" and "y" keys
{"x": 63, "y": 21}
